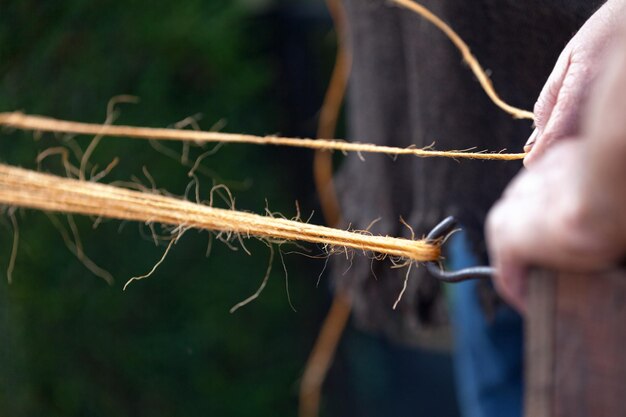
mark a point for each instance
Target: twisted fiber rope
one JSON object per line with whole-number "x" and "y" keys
{"x": 471, "y": 60}
{"x": 323, "y": 352}
{"x": 22, "y": 121}
{"x": 25, "y": 188}
{"x": 47, "y": 192}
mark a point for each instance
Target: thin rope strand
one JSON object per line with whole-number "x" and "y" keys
{"x": 22, "y": 121}
{"x": 471, "y": 60}
{"x": 16, "y": 241}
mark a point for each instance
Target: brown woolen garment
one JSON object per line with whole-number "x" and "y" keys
{"x": 409, "y": 86}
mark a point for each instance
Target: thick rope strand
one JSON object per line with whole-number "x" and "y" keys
{"x": 31, "y": 189}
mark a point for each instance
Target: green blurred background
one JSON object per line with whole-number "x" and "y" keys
{"x": 72, "y": 345}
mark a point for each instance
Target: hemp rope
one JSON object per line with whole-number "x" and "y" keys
{"x": 18, "y": 120}
{"x": 30, "y": 189}
{"x": 77, "y": 202}
{"x": 325, "y": 347}
{"x": 328, "y": 118}
{"x": 471, "y": 60}
{"x": 24, "y": 188}
{"x": 21, "y": 121}
{"x": 75, "y": 198}
{"x": 322, "y": 354}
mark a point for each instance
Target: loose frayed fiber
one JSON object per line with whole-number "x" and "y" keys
{"x": 31, "y": 189}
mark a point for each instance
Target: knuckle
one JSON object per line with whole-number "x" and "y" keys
{"x": 571, "y": 223}
{"x": 551, "y": 90}
{"x": 496, "y": 227}
{"x": 494, "y": 219}
{"x": 573, "y": 213}
{"x": 544, "y": 105}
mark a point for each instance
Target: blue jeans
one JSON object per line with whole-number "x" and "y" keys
{"x": 488, "y": 353}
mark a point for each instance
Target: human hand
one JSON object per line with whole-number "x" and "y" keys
{"x": 560, "y": 103}
{"x": 568, "y": 212}
{"x": 546, "y": 217}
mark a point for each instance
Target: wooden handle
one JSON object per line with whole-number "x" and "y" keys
{"x": 576, "y": 345}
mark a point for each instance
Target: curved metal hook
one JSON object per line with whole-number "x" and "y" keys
{"x": 439, "y": 232}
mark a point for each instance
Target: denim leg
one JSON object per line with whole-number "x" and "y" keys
{"x": 488, "y": 353}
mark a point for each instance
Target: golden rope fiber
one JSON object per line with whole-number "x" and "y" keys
{"x": 471, "y": 60}
{"x": 31, "y": 189}
{"x": 18, "y": 120}
{"x": 327, "y": 124}
{"x": 323, "y": 352}
{"x": 76, "y": 200}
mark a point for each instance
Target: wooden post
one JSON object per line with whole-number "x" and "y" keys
{"x": 576, "y": 345}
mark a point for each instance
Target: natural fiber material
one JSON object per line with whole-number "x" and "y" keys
{"x": 322, "y": 355}
{"x": 330, "y": 334}
{"x": 22, "y": 121}
{"x": 407, "y": 87}
{"x": 471, "y": 60}
{"x": 25, "y": 188}
{"x": 327, "y": 123}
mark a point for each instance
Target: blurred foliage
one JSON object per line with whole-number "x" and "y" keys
{"x": 71, "y": 344}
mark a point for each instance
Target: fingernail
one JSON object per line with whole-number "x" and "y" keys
{"x": 531, "y": 141}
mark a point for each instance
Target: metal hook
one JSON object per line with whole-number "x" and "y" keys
{"x": 439, "y": 232}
